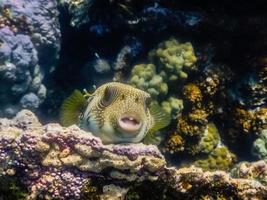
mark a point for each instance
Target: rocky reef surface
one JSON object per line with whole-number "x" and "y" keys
{"x": 52, "y": 162}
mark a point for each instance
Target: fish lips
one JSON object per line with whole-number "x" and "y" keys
{"x": 130, "y": 125}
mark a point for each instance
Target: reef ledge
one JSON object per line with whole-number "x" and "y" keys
{"x": 54, "y": 162}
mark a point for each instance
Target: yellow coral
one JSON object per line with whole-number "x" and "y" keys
{"x": 173, "y": 57}
{"x": 194, "y": 123}
{"x": 243, "y": 119}
{"x": 208, "y": 141}
{"x": 172, "y": 106}
{"x": 174, "y": 143}
{"x": 260, "y": 120}
{"x": 143, "y": 76}
{"x": 192, "y": 93}
{"x": 219, "y": 159}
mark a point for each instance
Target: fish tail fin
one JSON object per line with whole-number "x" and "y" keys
{"x": 71, "y": 108}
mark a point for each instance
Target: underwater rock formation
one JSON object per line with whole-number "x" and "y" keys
{"x": 256, "y": 170}
{"x": 60, "y": 163}
{"x": 30, "y": 43}
{"x": 50, "y": 157}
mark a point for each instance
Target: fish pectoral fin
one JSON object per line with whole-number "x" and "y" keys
{"x": 160, "y": 117}
{"x": 152, "y": 138}
{"x": 71, "y": 108}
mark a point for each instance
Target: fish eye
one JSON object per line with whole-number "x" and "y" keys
{"x": 136, "y": 99}
{"x": 108, "y": 96}
{"x": 122, "y": 96}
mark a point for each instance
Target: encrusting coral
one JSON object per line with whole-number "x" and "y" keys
{"x": 208, "y": 142}
{"x": 52, "y": 157}
{"x": 174, "y": 59}
{"x": 220, "y": 158}
{"x": 256, "y": 170}
{"x": 58, "y": 163}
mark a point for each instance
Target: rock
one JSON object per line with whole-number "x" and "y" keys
{"x": 57, "y": 163}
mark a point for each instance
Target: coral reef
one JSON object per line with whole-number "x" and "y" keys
{"x": 260, "y": 146}
{"x": 175, "y": 59}
{"x": 173, "y": 105}
{"x": 208, "y": 142}
{"x": 66, "y": 163}
{"x": 220, "y": 158}
{"x": 52, "y": 157}
{"x": 256, "y": 170}
{"x": 144, "y": 77}
{"x": 253, "y": 85}
{"x": 193, "y": 124}
{"x": 30, "y": 43}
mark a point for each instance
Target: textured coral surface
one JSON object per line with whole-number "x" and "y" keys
{"x": 64, "y": 163}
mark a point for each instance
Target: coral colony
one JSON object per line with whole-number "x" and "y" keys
{"x": 203, "y": 65}
{"x": 59, "y": 163}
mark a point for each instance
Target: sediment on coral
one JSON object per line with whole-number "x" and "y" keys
{"x": 53, "y": 162}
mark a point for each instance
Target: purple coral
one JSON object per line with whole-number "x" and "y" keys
{"x": 56, "y": 162}
{"x": 30, "y": 43}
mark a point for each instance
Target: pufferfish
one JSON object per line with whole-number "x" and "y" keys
{"x": 115, "y": 112}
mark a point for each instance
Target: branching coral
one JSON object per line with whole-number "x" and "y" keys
{"x": 106, "y": 16}
{"x": 174, "y": 58}
{"x": 57, "y": 163}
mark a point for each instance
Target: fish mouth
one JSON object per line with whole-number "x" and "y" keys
{"x": 129, "y": 124}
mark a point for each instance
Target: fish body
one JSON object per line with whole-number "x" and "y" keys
{"x": 115, "y": 112}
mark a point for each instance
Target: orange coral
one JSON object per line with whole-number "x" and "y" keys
{"x": 192, "y": 93}
{"x": 174, "y": 143}
{"x": 194, "y": 123}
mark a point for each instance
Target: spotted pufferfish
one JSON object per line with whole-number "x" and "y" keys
{"x": 115, "y": 112}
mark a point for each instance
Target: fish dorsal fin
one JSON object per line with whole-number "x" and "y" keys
{"x": 160, "y": 117}
{"x": 71, "y": 108}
